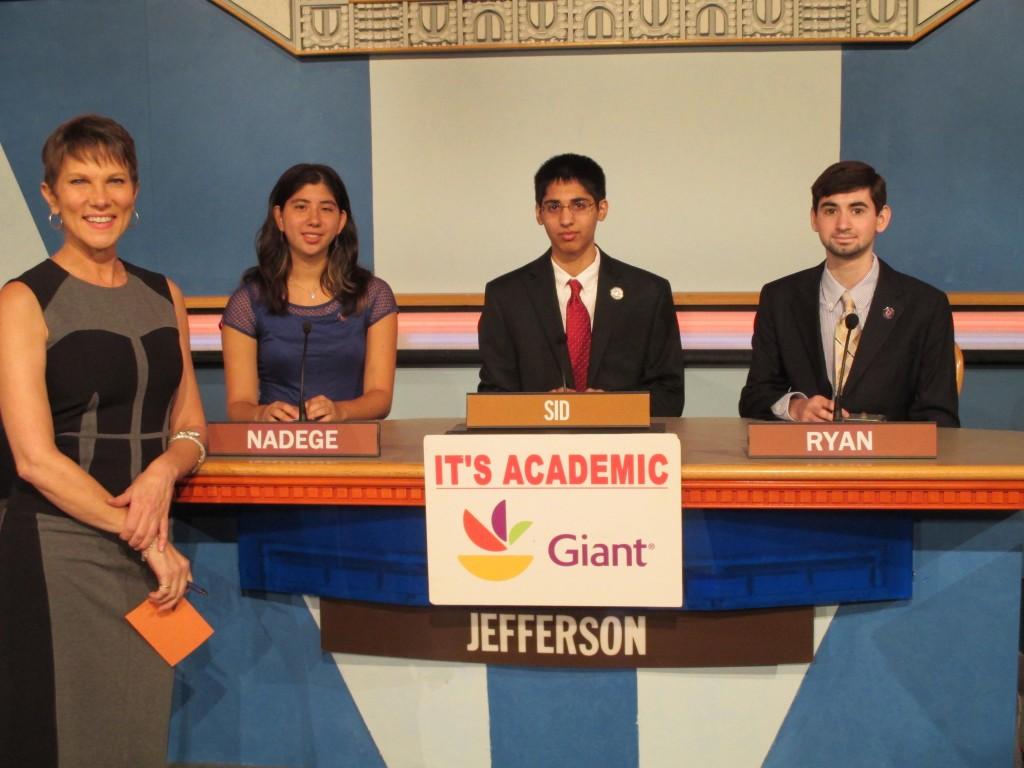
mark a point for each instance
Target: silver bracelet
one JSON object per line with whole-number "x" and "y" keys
{"x": 192, "y": 436}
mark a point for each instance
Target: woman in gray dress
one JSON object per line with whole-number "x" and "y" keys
{"x": 102, "y": 411}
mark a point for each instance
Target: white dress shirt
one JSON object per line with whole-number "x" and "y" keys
{"x": 830, "y": 309}
{"x": 588, "y": 290}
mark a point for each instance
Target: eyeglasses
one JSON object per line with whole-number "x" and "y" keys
{"x": 554, "y": 207}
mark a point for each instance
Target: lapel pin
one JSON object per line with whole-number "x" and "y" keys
{"x": 888, "y": 313}
{"x": 616, "y": 293}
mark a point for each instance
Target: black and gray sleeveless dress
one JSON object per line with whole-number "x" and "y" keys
{"x": 78, "y": 686}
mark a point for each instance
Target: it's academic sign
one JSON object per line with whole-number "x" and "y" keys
{"x": 568, "y": 520}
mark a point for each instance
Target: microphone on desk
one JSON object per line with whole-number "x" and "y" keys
{"x": 562, "y": 342}
{"x": 852, "y": 321}
{"x": 306, "y": 328}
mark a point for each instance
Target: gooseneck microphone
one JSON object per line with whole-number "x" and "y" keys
{"x": 852, "y": 321}
{"x": 306, "y": 328}
{"x": 562, "y": 342}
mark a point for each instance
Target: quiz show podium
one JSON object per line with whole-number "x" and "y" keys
{"x": 883, "y": 594}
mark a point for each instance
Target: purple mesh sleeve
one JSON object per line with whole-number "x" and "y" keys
{"x": 239, "y": 314}
{"x": 380, "y": 300}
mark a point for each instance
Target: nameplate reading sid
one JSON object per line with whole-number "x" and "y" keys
{"x": 825, "y": 440}
{"x": 562, "y": 410}
{"x": 308, "y": 438}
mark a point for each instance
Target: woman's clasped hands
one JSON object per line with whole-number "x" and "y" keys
{"x": 147, "y": 503}
{"x": 173, "y": 573}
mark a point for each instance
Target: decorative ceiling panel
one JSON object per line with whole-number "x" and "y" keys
{"x": 321, "y": 27}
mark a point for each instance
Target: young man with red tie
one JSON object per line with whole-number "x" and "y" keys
{"x": 576, "y": 319}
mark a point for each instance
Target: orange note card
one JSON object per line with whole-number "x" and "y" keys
{"x": 173, "y": 634}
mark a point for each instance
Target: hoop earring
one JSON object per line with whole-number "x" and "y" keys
{"x": 55, "y": 221}
{"x": 135, "y": 218}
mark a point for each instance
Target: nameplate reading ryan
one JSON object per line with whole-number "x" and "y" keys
{"x": 827, "y": 440}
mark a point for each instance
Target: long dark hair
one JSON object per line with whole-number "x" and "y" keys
{"x": 342, "y": 278}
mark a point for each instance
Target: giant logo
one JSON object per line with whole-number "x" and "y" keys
{"x": 498, "y": 538}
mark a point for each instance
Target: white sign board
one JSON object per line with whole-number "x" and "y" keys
{"x": 567, "y": 520}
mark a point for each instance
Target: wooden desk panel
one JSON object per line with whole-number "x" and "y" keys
{"x": 976, "y": 470}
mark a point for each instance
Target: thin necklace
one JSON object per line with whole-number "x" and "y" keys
{"x": 312, "y": 291}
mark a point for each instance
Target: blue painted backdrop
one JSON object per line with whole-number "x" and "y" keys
{"x": 942, "y": 121}
{"x": 219, "y": 112}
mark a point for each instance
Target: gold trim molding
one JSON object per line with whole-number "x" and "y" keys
{"x": 330, "y": 28}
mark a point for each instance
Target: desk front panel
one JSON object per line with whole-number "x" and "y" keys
{"x": 975, "y": 470}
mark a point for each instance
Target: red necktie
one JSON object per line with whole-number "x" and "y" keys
{"x": 577, "y": 335}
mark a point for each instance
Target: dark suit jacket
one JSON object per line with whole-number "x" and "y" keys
{"x": 904, "y": 366}
{"x": 635, "y": 342}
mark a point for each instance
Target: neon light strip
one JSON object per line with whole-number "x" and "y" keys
{"x": 989, "y": 330}
{"x": 699, "y": 329}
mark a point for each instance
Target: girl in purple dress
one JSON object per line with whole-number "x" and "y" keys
{"x": 308, "y": 289}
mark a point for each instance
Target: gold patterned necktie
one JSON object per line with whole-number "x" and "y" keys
{"x": 839, "y": 343}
